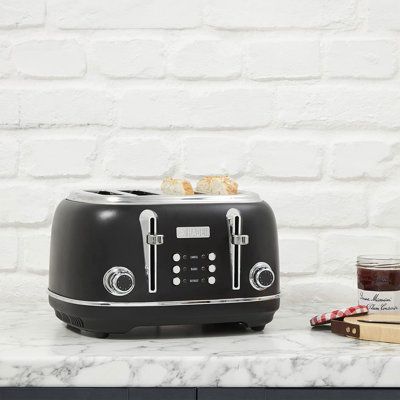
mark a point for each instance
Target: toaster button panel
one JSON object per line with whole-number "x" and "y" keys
{"x": 193, "y": 269}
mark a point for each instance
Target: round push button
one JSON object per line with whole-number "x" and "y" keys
{"x": 176, "y": 281}
{"x": 211, "y": 280}
{"x": 212, "y": 256}
{"x": 176, "y": 257}
{"x": 176, "y": 269}
{"x": 212, "y": 268}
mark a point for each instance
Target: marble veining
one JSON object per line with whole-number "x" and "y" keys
{"x": 37, "y": 350}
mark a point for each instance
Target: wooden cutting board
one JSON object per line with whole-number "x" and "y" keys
{"x": 379, "y": 327}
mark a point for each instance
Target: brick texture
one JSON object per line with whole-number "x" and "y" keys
{"x": 130, "y": 59}
{"x": 130, "y": 157}
{"x": 8, "y": 250}
{"x": 50, "y": 59}
{"x": 275, "y": 14}
{"x": 196, "y": 108}
{"x": 384, "y": 15}
{"x": 230, "y": 162}
{"x": 6, "y": 66}
{"x": 299, "y": 255}
{"x": 65, "y": 107}
{"x": 22, "y": 205}
{"x": 8, "y": 157}
{"x": 361, "y": 58}
{"x": 339, "y": 251}
{"x": 369, "y": 159}
{"x": 278, "y": 59}
{"x": 58, "y": 157}
{"x": 21, "y": 13}
{"x": 297, "y": 99}
{"x": 95, "y": 14}
{"x": 206, "y": 59}
{"x": 319, "y": 209}
{"x": 286, "y": 159}
{"x": 339, "y": 107}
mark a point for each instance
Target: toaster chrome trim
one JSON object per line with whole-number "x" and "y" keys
{"x": 163, "y": 303}
{"x": 121, "y": 197}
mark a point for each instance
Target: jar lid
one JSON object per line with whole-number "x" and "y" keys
{"x": 328, "y": 317}
{"x": 379, "y": 261}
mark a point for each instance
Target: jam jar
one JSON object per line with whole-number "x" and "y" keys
{"x": 378, "y": 280}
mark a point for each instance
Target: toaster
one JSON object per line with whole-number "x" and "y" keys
{"x": 120, "y": 259}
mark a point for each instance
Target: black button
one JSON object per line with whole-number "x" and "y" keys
{"x": 265, "y": 278}
{"x": 124, "y": 282}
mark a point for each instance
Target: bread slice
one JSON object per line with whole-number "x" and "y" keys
{"x": 217, "y": 185}
{"x": 177, "y": 187}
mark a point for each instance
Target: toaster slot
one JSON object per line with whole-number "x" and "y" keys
{"x": 103, "y": 192}
{"x": 236, "y": 266}
{"x": 236, "y": 241}
{"x": 153, "y": 259}
{"x": 137, "y": 192}
{"x": 151, "y": 239}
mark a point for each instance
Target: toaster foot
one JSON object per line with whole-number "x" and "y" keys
{"x": 257, "y": 328}
{"x": 84, "y": 332}
{"x": 98, "y": 335}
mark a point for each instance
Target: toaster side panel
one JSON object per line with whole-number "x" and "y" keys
{"x": 194, "y": 261}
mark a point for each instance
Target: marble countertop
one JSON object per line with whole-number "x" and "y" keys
{"x": 37, "y": 350}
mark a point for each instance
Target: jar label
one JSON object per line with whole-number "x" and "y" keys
{"x": 387, "y": 301}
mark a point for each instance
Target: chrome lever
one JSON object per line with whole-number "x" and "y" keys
{"x": 236, "y": 240}
{"x": 154, "y": 240}
{"x": 240, "y": 240}
{"x": 151, "y": 239}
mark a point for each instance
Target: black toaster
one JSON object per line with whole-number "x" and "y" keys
{"x": 126, "y": 258}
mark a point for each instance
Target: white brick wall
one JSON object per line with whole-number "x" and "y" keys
{"x": 49, "y": 59}
{"x": 283, "y": 59}
{"x": 130, "y": 58}
{"x": 361, "y": 58}
{"x": 298, "y": 99}
{"x": 206, "y": 59}
{"x": 57, "y": 157}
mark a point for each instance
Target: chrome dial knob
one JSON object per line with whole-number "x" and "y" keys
{"x": 261, "y": 276}
{"x": 119, "y": 281}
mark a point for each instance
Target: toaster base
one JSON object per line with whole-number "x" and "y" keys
{"x": 102, "y": 321}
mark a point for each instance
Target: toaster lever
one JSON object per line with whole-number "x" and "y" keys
{"x": 240, "y": 240}
{"x": 151, "y": 239}
{"x": 155, "y": 239}
{"x": 236, "y": 241}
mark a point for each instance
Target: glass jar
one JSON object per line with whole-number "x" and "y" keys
{"x": 378, "y": 281}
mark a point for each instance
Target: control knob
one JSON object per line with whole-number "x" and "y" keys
{"x": 261, "y": 276}
{"x": 119, "y": 281}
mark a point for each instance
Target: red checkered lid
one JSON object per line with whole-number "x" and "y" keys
{"x": 338, "y": 314}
